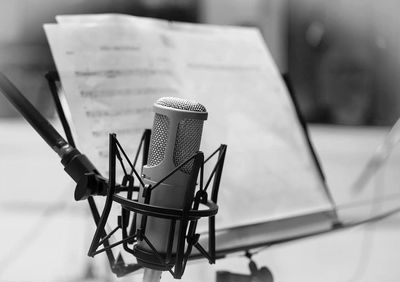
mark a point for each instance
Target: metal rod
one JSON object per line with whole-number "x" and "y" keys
{"x": 151, "y": 275}
{"x": 108, "y": 204}
{"x": 113, "y": 245}
{"x": 32, "y": 115}
{"x": 52, "y": 79}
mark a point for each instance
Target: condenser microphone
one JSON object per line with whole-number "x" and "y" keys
{"x": 176, "y": 136}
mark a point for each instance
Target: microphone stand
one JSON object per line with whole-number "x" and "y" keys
{"x": 151, "y": 275}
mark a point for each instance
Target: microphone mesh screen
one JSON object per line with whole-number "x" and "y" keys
{"x": 188, "y": 136}
{"x": 158, "y": 141}
{"x": 181, "y": 104}
{"x": 187, "y": 142}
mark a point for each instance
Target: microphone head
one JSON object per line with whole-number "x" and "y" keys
{"x": 177, "y": 130}
{"x": 180, "y": 104}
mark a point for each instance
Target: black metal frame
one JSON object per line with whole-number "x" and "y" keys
{"x": 184, "y": 219}
{"x": 132, "y": 232}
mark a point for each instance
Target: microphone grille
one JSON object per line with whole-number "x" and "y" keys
{"x": 181, "y": 104}
{"x": 187, "y": 142}
{"x": 188, "y": 133}
{"x": 158, "y": 142}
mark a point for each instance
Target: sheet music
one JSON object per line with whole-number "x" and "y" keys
{"x": 114, "y": 67}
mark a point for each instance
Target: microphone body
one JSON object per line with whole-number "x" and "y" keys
{"x": 176, "y": 137}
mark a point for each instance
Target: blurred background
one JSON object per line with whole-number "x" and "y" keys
{"x": 343, "y": 59}
{"x": 341, "y": 56}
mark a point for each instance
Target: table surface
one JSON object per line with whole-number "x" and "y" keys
{"x": 57, "y": 250}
